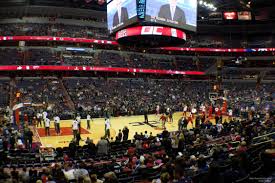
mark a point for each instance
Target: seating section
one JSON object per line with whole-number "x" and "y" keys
{"x": 10, "y": 57}
{"x": 42, "y": 57}
{"x": 249, "y": 96}
{"x": 207, "y": 41}
{"x": 132, "y": 95}
{"x": 146, "y": 159}
{"x": 43, "y": 91}
{"x": 59, "y": 30}
{"x": 46, "y": 56}
{"x": 4, "y": 90}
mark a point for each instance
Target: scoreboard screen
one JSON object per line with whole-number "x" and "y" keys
{"x": 121, "y": 13}
{"x": 181, "y": 14}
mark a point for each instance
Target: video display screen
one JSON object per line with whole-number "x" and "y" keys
{"x": 244, "y": 15}
{"x": 121, "y": 13}
{"x": 230, "y": 15}
{"x": 175, "y": 13}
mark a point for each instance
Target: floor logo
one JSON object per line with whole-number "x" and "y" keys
{"x": 152, "y": 124}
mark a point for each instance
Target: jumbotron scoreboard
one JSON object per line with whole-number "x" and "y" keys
{"x": 151, "y": 22}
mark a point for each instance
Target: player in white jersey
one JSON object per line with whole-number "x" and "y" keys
{"x": 44, "y": 116}
{"x": 107, "y": 127}
{"x": 157, "y": 111}
{"x": 185, "y": 108}
{"x": 57, "y": 124}
{"x": 47, "y": 126}
{"x": 88, "y": 121}
{"x": 78, "y": 119}
{"x": 39, "y": 119}
{"x": 75, "y": 128}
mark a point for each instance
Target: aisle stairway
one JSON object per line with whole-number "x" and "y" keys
{"x": 67, "y": 96}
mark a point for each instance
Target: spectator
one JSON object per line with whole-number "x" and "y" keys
{"x": 102, "y": 146}
{"x": 125, "y": 132}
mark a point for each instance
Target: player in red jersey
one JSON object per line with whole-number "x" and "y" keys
{"x": 163, "y": 120}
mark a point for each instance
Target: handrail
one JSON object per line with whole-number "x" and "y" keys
{"x": 272, "y": 133}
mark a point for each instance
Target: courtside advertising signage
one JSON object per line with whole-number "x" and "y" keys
{"x": 121, "y": 13}
{"x": 180, "y": 14}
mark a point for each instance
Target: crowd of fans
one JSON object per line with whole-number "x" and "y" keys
{"x": 59, "y": 30}
{"x": 239, "y": 150}
{"x": 62, "y": 30}
{"x": 225, "y": 153}
{"x": 133, "y": 96}
{"x": 46, "y": 92}
{"x": 40, "y": 56}
{"x": 203, "y": 154}
{"x": 4, "y": 90}
{"x": 243, "y": 96}
{"x": 128, "y": 97}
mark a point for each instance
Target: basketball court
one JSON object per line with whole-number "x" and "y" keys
{"x": 134, "y": 123}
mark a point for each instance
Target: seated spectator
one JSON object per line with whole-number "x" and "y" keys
{"x": 94, "y": 179}
{"x": 102, "y": 146}
{"x": 69, "y": 172}
{"x": 110, "y": 178}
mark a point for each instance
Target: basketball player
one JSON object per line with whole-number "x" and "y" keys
{"x": 185, "y": 108}
{"x": 75, "y": 128}
{"x": 44, "y": 116}
{"x": 107, "y": 128}
{"x": 170, "y": 114}
{"x": 180, "y": 123}
{"x": 193, "y": 112}
{"x": 39, "y": 119}
{"x": 47, "y": 126}
{"x": 203, "y": 109}
{"x": 163, "y": 120}
{"x": 157, "y": 111}
{"x": 145, "y": 112}
{"x": 217, "y": 111}
{"x": 88, "y": 121}
{"x": 230, "y": 114}
{"x": 57, "y": 124}
{"x": 78, "y": 119}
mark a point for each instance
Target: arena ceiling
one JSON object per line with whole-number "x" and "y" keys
{"x": 220, "y": 4}
{"x": 263, "y": 9}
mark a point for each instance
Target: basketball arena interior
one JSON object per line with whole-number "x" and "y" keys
{"x": 137, "y": 91}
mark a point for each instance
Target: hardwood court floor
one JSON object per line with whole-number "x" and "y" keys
{"x": 134, "y": 123}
